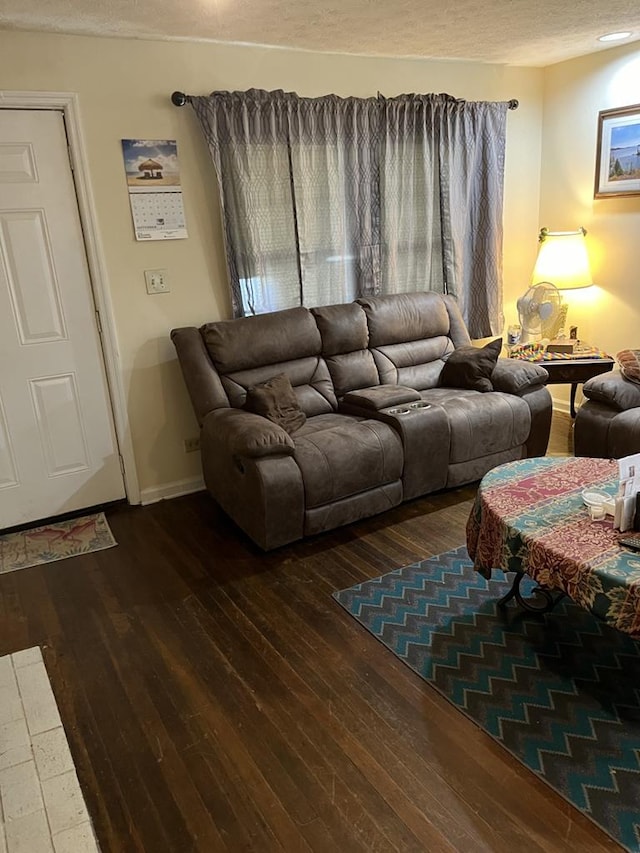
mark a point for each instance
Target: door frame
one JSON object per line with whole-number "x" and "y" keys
{"x": 68, "y": 103}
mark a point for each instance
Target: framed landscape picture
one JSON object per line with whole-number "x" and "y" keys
{"x": 618, "y": 152}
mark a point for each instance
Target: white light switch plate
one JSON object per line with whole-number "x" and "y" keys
{"x": 157, "y": 281}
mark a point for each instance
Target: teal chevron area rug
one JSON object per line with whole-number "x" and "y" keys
{"x": 561, "y": 692}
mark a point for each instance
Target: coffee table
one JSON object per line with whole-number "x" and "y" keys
{"x": 529, "y": 518}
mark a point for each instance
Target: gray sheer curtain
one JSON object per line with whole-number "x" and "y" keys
{"x": 334, "y": 174}
{"x": 410, "y": 192}
{"x": 248, "y": 135}
{"x": 326, "y": 199}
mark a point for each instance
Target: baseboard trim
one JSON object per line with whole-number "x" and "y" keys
{"x": 166, "y": 491}
{"x": 561, "y": 406}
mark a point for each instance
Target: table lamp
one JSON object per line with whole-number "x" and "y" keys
{"x": 563, "y": 261}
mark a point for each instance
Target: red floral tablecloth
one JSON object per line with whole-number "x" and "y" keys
{"x": 529, "y": 517}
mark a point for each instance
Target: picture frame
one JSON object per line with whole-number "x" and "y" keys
{"x": 618, "y": 152}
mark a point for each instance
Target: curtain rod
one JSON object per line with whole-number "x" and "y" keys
{"x": 179, "y": 99}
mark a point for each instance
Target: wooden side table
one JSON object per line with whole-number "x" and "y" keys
{"x": 575, "y": 371}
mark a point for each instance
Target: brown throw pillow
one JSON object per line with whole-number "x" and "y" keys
{"x": 629, "y": 361}
{"x": 276, "y": 400}
{"x": 471, "y": 367}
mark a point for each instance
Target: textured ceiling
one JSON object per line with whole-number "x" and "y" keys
{"x": 515, "y": 32}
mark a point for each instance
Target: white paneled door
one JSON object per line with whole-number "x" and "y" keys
{"x": 58, "y": 449}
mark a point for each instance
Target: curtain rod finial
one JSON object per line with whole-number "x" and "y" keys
{"x": 514, "y": 104}
{"x": 179, "y": 99}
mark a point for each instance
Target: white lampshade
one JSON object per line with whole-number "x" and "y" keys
{"x": 563, "y": 260}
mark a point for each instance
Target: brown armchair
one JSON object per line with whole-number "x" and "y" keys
{"x": 608, "y": 423}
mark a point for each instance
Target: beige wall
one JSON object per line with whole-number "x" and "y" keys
{"x": 575, "y": 91}
{"x": 124, "y": 88}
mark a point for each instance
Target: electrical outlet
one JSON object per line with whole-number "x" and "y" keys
{"x": 191, "y": 444}
{"x": 157, "y": 281}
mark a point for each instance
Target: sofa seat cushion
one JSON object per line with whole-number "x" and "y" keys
{"x": 346, "y": 458}
{"x": 481, "y": 424}
{"x": 320, "y": 422}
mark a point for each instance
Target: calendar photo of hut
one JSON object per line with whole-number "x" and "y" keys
{"x": 151, "y": 162}
{"x": 155, "y": 194}
{"x": 151, "y": 170}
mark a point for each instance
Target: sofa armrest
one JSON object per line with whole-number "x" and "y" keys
{"x": 381, "y": 397}
{"x": 245, "y": 434}
{"x": 513, "y": 376}
{"x": 612, "y": 389}
{"x": 201, "y": 377}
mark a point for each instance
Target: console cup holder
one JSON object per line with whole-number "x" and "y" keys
{"x": 399, "y": 410}
{"x": 419, "y": 404}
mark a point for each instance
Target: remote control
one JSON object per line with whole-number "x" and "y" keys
{"x": 632, "y": 542}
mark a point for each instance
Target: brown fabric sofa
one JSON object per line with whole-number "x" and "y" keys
{"x": 608, "y": 423}
{"x": 352, "y": 367}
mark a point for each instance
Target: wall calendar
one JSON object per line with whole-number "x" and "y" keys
{"x": 155, "y": 192}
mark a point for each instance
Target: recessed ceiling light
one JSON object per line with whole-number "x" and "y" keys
{"x": 614, "y": 36}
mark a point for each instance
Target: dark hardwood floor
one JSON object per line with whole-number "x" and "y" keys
{"x": 218, "y": 699}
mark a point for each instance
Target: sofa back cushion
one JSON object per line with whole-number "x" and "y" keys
{"x": 403, "y": 317}
{"x": 411, "y": 334}
{"x": 263, "y": 339}
{"x": 345, "y": 338}
{"x": 251, "y": 350}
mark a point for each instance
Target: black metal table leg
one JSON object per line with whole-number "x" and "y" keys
{"x": 551, "y": 597}
{"x": 572, "y": 402}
